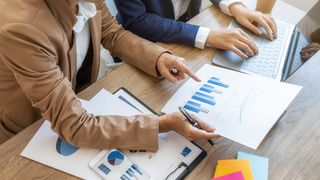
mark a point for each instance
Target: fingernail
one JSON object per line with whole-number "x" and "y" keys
{"x": 271, "y": 37}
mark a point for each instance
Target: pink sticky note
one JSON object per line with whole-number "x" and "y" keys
{"x": 233, "y": 176}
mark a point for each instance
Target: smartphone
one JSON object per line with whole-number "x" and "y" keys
{"x": 113, "y": 164}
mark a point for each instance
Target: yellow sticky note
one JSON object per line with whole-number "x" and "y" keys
{"x": 225, "y": 167}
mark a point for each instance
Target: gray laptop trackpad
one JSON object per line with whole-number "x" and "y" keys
{"x": 228, "y": 59}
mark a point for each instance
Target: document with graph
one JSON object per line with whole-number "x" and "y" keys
{"x": 175, "y": 158}
{"x": 241, "y": 107}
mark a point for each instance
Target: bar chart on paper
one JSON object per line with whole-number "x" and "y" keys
{"x": 234, "y": 103}
{"x": 206, "y": 95}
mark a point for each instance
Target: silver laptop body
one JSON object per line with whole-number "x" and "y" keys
{"x": 273, "y": 57}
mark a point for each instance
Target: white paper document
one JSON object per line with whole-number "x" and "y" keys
{"x": 46, "y": 146}
{"x": 128, "y": 99}
{"x": 173, "y": 149}
{"x": 241, "y": 107}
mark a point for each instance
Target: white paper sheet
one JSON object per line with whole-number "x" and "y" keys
{"x": 42, "y": 147}
{"x": 244, "y": 111}
{"x": 125, "y": 97}
{"x": 169, "y": 155}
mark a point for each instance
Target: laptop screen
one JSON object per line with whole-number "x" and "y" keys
{"x": 311, "y": 21}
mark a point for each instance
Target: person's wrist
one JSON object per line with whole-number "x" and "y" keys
{"x": 211, "y": 37}
{"x": 164, "y": 125}
{"x": 160, "y": 60}
{"x": 236, "y": 8}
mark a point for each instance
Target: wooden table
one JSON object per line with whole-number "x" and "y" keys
{"x": 292, "y": 145}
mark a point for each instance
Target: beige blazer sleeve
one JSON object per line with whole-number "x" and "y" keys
{"x": 130, "y": 48}
{"x": 33, "y": 60}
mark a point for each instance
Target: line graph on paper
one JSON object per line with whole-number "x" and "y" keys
{"x": 237, "y": 106}
{"x": 249, "y": 98}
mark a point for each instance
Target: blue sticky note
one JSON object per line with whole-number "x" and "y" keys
{"x": 259, "y": 165}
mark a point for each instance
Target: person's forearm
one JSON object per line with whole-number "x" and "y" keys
{"x": 50, "y": 92}
{"x": 153, "y": 27}
{"x": 127, "y": 46}
{"x": 225, "y": 4}
{"x": 109, "y": 132}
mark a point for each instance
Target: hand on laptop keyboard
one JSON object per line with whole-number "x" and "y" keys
{"x": 249, "y": 18}
{"x": 310, "y": 50}
{"x": 235, "y": 40}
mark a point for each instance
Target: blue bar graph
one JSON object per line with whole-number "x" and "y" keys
{"x": 203, "y": 98}
{"x": 124, "y": 177}
{"x": 216, "y": 81}
{"x": 206, "y": 90}
{"x": 209, "y": 89}
{"x": 195, "y": 107}
{"x": 131, "y": 174}
{"x": 135, "y": 167}
{"x": 215, "y": 78}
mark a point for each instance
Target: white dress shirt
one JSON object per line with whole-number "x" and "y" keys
{"x": 82, "y": 30}
{"x": 181, "y": 6}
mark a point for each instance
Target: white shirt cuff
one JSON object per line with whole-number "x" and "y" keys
{"x": 201, "y": 37}
{"x": 224, "y": 5}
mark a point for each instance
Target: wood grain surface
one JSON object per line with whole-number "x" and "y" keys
{"x": 292, "y": 145}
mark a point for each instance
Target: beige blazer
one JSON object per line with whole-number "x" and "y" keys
{"x": 38, "y": 74}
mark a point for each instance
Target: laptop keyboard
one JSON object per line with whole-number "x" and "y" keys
{"x": 266, "y": 62}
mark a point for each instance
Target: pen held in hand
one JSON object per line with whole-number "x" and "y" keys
{"x": 193, "y": 122}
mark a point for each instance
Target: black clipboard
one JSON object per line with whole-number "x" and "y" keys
{"x": 194, "y": 163}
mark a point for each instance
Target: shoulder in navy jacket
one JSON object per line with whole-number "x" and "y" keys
{"x": 155, "y": 20}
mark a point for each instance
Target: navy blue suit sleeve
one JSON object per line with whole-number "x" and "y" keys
{"x": 134, "y": 17}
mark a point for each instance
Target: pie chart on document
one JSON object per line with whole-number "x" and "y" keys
{"x": 64, "y": 148}
{"x": 115, "y": 158}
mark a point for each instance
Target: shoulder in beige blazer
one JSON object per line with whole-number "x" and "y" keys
{"x": 38, "y": 74}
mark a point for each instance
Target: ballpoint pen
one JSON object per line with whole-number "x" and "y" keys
{"x": 193, "y": 122}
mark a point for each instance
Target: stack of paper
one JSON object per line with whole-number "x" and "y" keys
{"x": 258, "y": 164}
{"x": 232, "y": 176}
{"x": 226, "y": 167}
{"x": 246, "y": 167}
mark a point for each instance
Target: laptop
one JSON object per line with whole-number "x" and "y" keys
{"x": 277, "y": 59}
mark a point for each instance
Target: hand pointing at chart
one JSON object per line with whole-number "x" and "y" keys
{"x": 167, "y": 62}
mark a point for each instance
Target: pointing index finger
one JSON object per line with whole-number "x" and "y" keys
{"x": 185, "y": 69}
